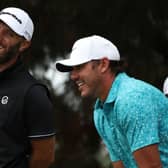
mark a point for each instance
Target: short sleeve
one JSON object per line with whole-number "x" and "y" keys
{"x": 39, "y": 113}
{"x": 138, "y": 116}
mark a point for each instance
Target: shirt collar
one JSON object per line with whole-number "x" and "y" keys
{"x": 113, "y": 91}
{"x": 11, "y": 69}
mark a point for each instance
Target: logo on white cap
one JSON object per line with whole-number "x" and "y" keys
{"x": 14, "y": 16}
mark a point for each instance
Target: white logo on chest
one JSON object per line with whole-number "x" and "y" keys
{"x": 4, "y": 100}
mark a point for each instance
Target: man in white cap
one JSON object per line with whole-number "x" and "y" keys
{"x": 26, "y": 112}
{"x": 130, "y": 115}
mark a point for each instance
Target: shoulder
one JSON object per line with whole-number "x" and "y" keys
{"x": 130, "y": 88}
{"x": 135, "y": 95}
{"x": 38, "y": 90}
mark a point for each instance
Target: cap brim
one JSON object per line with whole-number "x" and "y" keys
{"x": 64, "y": 65}
{"x": 63, "y": 68}
{"x": 68, "y": 64}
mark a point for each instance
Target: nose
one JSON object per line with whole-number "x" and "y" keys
{"x": 74, "y": 75}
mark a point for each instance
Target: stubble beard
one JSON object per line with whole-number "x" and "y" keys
{"x": 12, "y": 52}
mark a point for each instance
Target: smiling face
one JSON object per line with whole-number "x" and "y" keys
{"x": 10, "y": 44}
{"x": 93, "y": 78}
{"x": 86, "y": 77}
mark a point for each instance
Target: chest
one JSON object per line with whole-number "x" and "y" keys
{"x": 11, "y": 104}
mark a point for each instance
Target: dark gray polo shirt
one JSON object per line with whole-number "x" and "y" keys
{"x": 25, "y": 112}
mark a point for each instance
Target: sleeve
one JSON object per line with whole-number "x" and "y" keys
{"x": 39, "y": 113}
{"x": 139, "y": 120}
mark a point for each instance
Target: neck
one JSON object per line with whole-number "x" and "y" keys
{"x": 106, "y": 86}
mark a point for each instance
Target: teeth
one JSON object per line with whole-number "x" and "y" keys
{"x": 79, "y": 83}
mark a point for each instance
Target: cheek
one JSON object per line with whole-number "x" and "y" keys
{"x": 7, "y": 44}
{"x": 93, "y": 81}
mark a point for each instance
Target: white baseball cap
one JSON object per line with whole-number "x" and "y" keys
{"x": 165, "y": 86}
{"x": 86, "y": 49}
{"x": 19, "y": 21}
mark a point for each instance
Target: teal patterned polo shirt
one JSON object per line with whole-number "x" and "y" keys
{"x": 134, "y": 115}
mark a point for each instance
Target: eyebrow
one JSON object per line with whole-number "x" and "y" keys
{"x": 14, "y": 16}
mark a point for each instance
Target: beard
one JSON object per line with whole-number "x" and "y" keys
{"x": 12, "y": 52}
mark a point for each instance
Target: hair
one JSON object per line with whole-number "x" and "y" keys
{"x": 118, "y": 66}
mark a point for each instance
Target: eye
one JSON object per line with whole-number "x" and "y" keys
{"x": 10, "y": 33}
{"x": 79, "y": 67}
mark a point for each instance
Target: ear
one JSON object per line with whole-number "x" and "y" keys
{"x": 24, "y": 45}
{"x": 104, "y": 64}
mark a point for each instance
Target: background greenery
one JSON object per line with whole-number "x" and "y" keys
{"x": 140, "y": 31}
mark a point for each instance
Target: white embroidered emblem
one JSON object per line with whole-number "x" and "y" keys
{"x": 4, "y": 100}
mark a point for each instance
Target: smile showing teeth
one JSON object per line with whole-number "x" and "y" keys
{"x": 80, "y": 84}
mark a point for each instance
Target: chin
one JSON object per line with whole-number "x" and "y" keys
{"x": 84, "y": 94}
